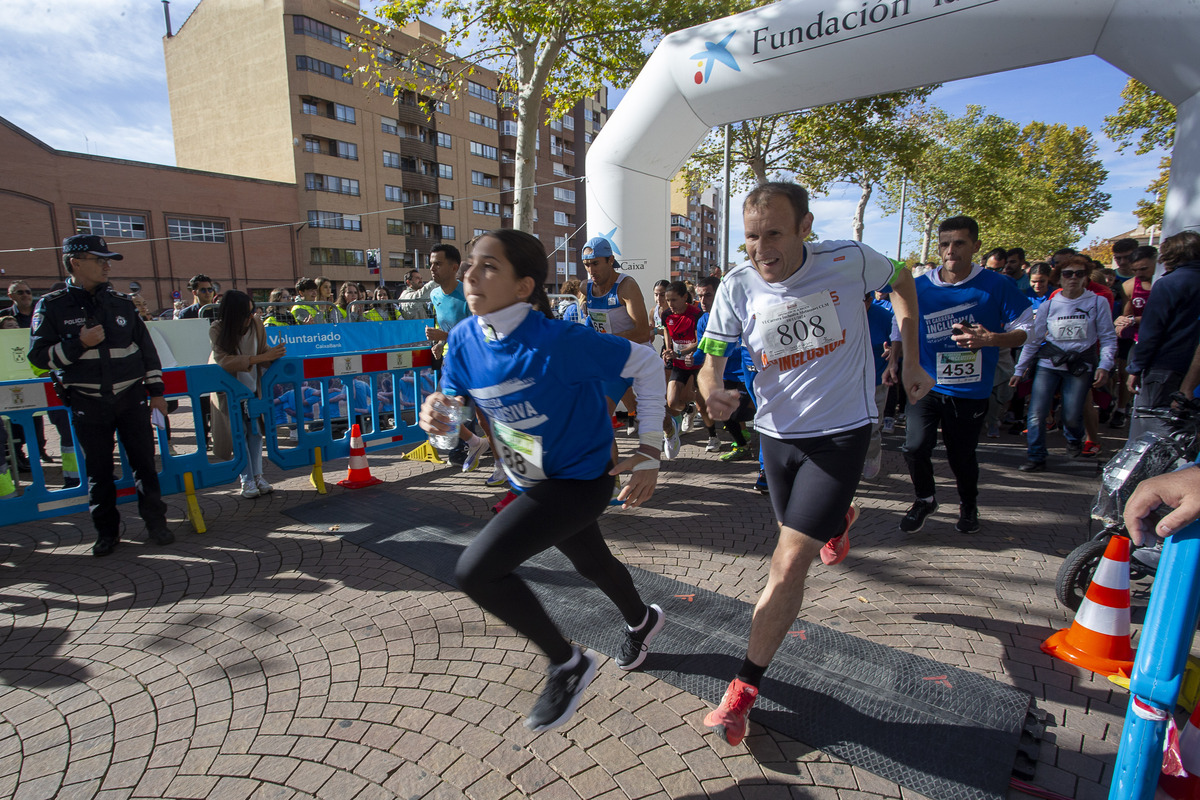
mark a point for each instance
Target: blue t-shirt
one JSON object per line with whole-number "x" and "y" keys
{"x": 449, "y": 309}
{"x": 879, "y": 323}
{"x": 986, "y": 298}
{"x": 542, "y": 389}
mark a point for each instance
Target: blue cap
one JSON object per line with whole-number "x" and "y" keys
{"x": 88, "y": 243}
{"x": 600, "y": 247}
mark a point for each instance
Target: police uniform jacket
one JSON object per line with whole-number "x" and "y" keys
{"x": 125, "y": 359}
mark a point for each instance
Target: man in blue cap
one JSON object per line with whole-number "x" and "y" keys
{"x": 107, "y": 369}
{"x": 616, "y": 306}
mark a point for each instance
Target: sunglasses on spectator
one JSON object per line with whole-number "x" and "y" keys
{"x": 1074, "y": 273}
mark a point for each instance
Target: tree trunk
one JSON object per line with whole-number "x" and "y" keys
{"x": 926, "y": 238}
{"x": 861, "y": 210}
{"x": 533, "y": 70}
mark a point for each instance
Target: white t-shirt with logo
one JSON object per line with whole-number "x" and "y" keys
{"x": 807, "y": 336}
{"x": 1073, "y": 325}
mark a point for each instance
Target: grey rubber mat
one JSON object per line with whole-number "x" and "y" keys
{"x": 933, "y": 728}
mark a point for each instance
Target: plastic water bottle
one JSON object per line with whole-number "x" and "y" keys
{"x": 453, "y": 409}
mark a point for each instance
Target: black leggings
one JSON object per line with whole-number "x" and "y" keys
{"x": 554, "y": 513}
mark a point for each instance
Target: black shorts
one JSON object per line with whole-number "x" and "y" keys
{"x": 813, "y": 480}
{"x": 1123, "y": 348}
{"x": 682, "y": 375}
{"x": 745, "y": 409}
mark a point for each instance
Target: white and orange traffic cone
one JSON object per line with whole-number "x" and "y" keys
{"x": 1098, "y": 639}
{"x": 359, "y": 476}
{"x": 1180, "y": 779}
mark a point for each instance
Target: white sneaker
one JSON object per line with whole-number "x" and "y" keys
{"x": 263, "y": 486}
{"x": 474, "y": 451}
{"x": 631, "y": 426}
{"x": 671, "y": 445}
{"x": 687, "y": 423}
{"x": 714, "y": 445}
{"x": 889, "y": 425}
{"x": 497, "y": 478}
{"x": 249, "y": 490}
{"x": 873, "y": 465}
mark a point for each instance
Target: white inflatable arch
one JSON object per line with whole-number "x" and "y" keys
{"x": 798, "y": 54}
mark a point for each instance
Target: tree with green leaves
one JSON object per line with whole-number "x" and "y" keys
{"x": 1146, "y": 122}
{"x": 857, "y": 142}
{"x": 1036, "y": 187}
{"x": 552, "y": 52}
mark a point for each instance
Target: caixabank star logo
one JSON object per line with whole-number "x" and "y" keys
{"x": 712, "y": 53}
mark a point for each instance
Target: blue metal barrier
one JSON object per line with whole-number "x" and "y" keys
{"x": 22, "y": 400}
{"x": 1158, "y": 668}
{"x": 316, "y": 439}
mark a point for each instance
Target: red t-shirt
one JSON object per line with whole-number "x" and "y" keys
{"x": 682, "y": 328}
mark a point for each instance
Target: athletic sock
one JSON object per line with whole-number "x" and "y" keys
{"x": 929, "y": 499}
{"x": 712, "y": 429}
{"x": 735, "y": 430}
{"x": 751, "y": 673}
{"x": 678, "y": 420}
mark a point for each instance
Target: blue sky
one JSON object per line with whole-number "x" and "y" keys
{"x": 92, "y": 80}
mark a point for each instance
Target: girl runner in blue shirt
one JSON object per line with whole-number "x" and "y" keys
{"x": 540, "y": 382}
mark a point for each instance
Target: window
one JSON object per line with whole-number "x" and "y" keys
{"x": 395, "y": 227}
{"x": 330, "y": 183}
{"x": 564, "y": 195}
{"x": 561, "y": 218}
{"x": 117, "y": 226}
{"x": 506, "y": 184}
{"x": 442, "y": 107}
{"x": 556, "y": 125}
{"x": 337, "y": 257}
{"x": 446, "y": 201}
{"x": 446, "y": 171}
{"x": 443, "y": 140}
{"x": 447, "y": 232}
{"x": 482, "y": 92}
{"x": 343, "y": 113}
{"x": 587, "y": 138}
{"x": 307, "y": 64}
{"x": 195, "y": 230}
{"x": 569, "y": 123}
{"x": 508, "y": 127}
{"x": 560, "y": 243}
{"x": 480, "y": 179}
{"x": 561, "y": 169}
{"x": 479, "y": 232}
{"x": 484, "y": 151}
{"x": 398, "y": 260}
{"x": 312, "y": 145}
{"x": 319, "y": 30}
{"x": 333, "y": 219}
{"x": 480, "y": 119}
{"x": 391, "y": 159}
{"x": 309, "y": 106}
{"x": 395, "y": 194}
{"x": 486, "y": 208}
{"x": 507, "y": 212}
{"x": 347, "y": 150}
{"x": 389, "y": 125}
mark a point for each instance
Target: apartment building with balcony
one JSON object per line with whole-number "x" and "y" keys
{"x": 269, "y": 90}
{"x": 695, "y": 232}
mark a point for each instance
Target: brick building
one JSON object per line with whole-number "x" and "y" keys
{"x": 263, "y": 89}
{"x": 695, "y": 232}
{"x": 169, "y": 223}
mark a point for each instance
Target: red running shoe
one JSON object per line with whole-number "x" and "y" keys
{"x": 731, "y": 715}
{"x": 1090, "y": 449}
{"x": 836, "y": 548}
{"x": 508, "y": 498}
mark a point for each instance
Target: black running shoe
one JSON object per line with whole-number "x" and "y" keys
{"x": 761, "y": 483}
{"x": 968, "y": 518}
{"x": 914, "y": 520}
{"x": 637, "y": 643}
{"x": 163, "y": 536}
{"x": 105, "y": 545}
{"x": 560, "y": 698}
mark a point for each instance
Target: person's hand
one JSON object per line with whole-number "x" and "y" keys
{"x": 433, "y": 421}
{"x": 159, "y": 404}
{"x": 722, "y": 403}
{"x": 667, "y": 357}
{"x": 1133, "y": 382}
{"x": 891, "y": 375}
{"x": 91, "y": 336}
{"x": 1016, "y": 379}
{"x": 1180, "y": 490}
{"x": 641, "y": 481}
{"x": 973, "y": 337}
{"x": 276, "y": 352}
{"x": 1101, "y": 378}
{"x": 1121, "y": 323}
{"x": 917, "y": 382}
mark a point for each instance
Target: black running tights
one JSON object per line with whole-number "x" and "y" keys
{"x": 554, "y": 513}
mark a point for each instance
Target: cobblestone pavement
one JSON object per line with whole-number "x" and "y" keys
{"x": 268, "y": 659}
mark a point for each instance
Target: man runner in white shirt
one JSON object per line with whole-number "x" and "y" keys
{"x": 798, "y": 309}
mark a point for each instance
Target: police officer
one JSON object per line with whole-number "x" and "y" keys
{"x": 102, "y": 354}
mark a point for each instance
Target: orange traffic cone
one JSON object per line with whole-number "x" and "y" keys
{"x": 1180, "y": 779}
{"x": 1098, "y": 639}
{"x": 359, "y": 476}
